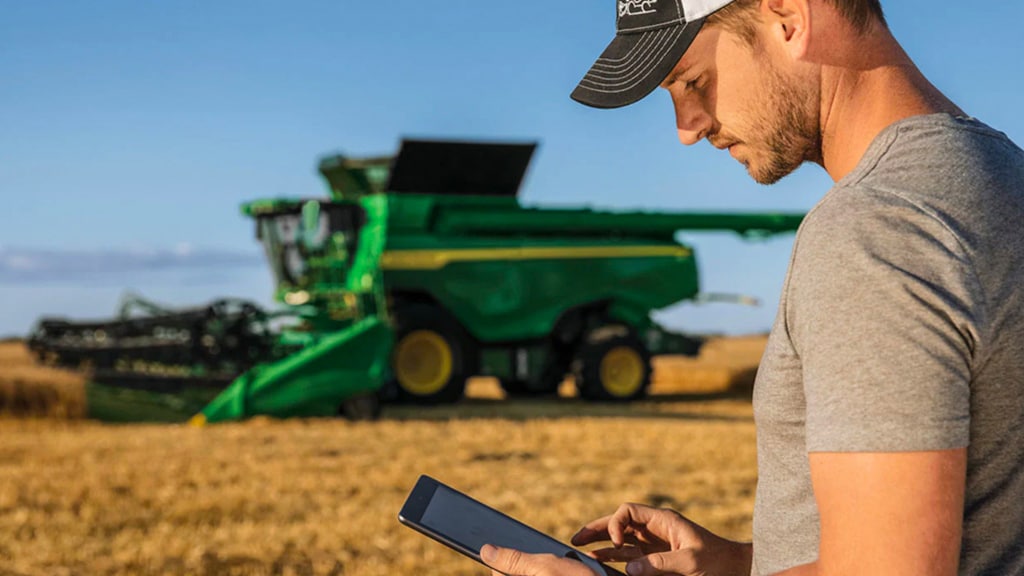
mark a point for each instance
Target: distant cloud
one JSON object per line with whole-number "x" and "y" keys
{"x": 33, "y": 265}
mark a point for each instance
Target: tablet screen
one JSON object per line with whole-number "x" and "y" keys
{"x": 472, "y": 525}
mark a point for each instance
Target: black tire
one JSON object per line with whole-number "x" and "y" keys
{"x": 424, "y": 336}
{"x": 612, "y": 365}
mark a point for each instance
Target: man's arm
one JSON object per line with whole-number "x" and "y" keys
{"x": 885, "y": 513}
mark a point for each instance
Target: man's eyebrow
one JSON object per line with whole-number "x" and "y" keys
{"x": 679, "y": 70}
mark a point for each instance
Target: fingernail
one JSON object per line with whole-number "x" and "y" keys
{"x": 488, "y": 553}
{"x": 633, "y": 569}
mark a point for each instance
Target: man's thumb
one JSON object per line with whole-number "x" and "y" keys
{"x": 505, "y": 560}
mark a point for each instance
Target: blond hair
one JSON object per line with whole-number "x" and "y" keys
{"x": 741, "y": 16}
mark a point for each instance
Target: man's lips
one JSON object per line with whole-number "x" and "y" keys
{"x": 722, "y": 144}
{"x": 729, "y": 145}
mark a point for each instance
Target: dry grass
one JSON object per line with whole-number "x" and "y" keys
{"x": 28, "y": 390}
{"x": 321, "y": 496}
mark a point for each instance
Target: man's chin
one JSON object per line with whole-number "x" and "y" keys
{"x": 768, "y": 174}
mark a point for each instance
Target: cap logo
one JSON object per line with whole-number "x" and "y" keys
{"x": 636, "y": 7}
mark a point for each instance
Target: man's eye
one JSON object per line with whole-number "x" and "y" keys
{"x": 692, "y": 84}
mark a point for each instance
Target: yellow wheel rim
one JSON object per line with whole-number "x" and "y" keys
{"x": 622, "y": 371}
{"x": 423, "y": 362}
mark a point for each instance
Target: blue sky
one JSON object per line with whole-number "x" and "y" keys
{"x": 131, "y": 131}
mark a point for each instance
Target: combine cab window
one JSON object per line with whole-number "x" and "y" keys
{"x": 279, "y": 235}
{"x": 289, "y": 245}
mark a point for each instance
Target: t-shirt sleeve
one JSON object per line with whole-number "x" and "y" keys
{"x": 883, "y": 311}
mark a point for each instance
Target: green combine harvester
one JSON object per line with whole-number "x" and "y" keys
{"x": 417, "y": 273}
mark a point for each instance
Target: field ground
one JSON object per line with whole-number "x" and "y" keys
{"x": 321, "y": 496}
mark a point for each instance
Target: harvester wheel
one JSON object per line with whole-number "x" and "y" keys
{"x": 612, "y": 365}
{"x": 433, "y": 356}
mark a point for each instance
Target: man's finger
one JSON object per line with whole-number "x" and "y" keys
{"x": 584, "y": 537}
{"x": 675, "y": 562}
{"x": 635, "y": 515}
{"x": 594, "y": 531}
{"x": 624, "y": 554}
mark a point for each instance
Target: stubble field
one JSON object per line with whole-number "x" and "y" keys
{"x": 321, "y": 496}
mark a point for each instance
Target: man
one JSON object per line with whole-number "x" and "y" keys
{"x": 890, "y": 399}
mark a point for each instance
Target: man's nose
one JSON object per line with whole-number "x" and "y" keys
{"x": 692, "y": 122}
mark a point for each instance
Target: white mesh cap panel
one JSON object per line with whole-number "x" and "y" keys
{"x": 694, "y": 9}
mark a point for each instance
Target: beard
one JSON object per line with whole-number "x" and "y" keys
{"x": 784, "y": 130}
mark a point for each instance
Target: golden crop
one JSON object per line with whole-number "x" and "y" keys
{"x": 321, "y": 496}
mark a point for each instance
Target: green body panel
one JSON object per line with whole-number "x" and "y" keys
{"x": 313, "y": 381}
{"x": 522, "y": 298}
{"x": 508, "y": 272}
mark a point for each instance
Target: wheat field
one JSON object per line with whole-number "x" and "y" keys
{"x": 312, "y": 497}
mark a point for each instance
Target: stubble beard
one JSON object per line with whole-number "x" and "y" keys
{"x": 786, "y": 124}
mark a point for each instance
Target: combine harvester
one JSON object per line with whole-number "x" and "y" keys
{"x": 418, "y": 272}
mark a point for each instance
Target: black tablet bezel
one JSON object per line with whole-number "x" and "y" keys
{"x": 418, "y": 500}
{"x": 423, "y": 492}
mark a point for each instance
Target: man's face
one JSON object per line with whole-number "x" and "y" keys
{"x": 740, "y": 98}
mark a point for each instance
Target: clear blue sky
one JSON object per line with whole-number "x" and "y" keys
{"x": 131, "y": 131}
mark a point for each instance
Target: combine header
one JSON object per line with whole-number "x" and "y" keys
{"x": 417, "y": 273}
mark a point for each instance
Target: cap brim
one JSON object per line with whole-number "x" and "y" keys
{"x": 633, "y": 65}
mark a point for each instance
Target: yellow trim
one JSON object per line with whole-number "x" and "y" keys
{"x": 436, "y": 259}
{"x": 423, "y": 362}
{"x": 622, "y": 371}
{"x": 198, "y": 421}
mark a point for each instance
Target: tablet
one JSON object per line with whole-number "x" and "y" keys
{"x": 465, "y": 525}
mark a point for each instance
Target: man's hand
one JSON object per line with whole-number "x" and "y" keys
{"x": 506, "y": 561}
{"x": 652, "y": 541}
{"x": 659, "y": 541}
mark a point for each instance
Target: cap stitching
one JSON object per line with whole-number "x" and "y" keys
{"x": 630, "y": 79}
{"x": 627, "y": 61}
{"x": 674, "y": 22}
{"x": 641, "y": 64}
{"x": 599, "y": 86}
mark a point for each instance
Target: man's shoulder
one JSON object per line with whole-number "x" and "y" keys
{"x": 937, "y": 155}
{"x": 945, "y": 133}
{"x": 949, "y": 175}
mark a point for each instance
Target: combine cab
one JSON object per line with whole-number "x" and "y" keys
{"x": 421, "y": 271}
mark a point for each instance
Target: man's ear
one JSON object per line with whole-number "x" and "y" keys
{"x": 789, "y": 23}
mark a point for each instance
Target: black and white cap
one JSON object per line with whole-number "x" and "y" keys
{"x": 650, "y": 38}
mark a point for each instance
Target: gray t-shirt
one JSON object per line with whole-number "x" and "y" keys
{"x": 901, "y": 328}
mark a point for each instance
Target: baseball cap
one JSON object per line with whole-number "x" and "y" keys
{"x": 650, "y": 38}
